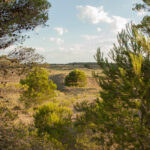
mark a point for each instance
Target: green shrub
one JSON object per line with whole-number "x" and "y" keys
{"x": 87, "y": 66}
{"x": 55, "y": 121}
{"x": 52, "y": 119}
{"x": 76, "y": 78}
{"x": 37, "y": 87}
{"x": 22, "y": 137}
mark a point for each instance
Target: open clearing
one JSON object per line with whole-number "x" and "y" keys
{"x": 67, "y": 96}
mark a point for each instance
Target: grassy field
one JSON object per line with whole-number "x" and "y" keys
{"x": 10, "y": 90}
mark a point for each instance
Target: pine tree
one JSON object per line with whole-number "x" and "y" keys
{"x": 120, "y": 119}
{"x": 17, "y": 16}
{"x": 145, "y": 23}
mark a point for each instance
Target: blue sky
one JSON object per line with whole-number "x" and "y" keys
{"x": 78, "y": 27}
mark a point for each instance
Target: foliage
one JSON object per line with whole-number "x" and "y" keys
{"x": 17, "y": 16}
{"x": 76, "y": 78}
{"x": 4, "y": 63}
{"x": 87, "y": 66}
{"x": 16, "y": 135}
{"x": 25, "y": 55}
{"x": 23, "y": 137}
{"x": 120, "y": 119}
{"x": 19, "y": 61}
{"x": 145, "y": 23}
{"x": 38, "y": 87}
{"x": 55, "y": 121}
{"x": 145, "y": 5}
{"x": 6, "y": 114}
{"x": 83, "y": 142}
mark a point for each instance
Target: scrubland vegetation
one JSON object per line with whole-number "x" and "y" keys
{"x": 37, "y": 87}
{"x": 76, "y": 78}
{"x": 78, "y": 107}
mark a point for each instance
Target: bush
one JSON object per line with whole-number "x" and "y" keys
{"x": 87, "y": 66}
{"x": 76, "y": 78}
{"x": 23, "y": 137}
{"x": 19, "y": 136}
{"x": 53, "y": 120}
{"x": 37, "y": 87}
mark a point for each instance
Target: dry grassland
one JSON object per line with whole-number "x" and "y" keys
{"x": 68, "y": 96}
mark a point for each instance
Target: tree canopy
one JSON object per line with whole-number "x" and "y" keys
{"x": 17, "y": 16}
{"x": 20, "y": 61}
{"x": 25, "y": 55}
{"x": 145, "y": 23}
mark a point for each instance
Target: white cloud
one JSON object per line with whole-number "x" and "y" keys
{"x": 99, "y": 29}
{"x": 80, "y": 52}
{"x": 37, "y": 29}
{"x": 89, "y": 37}
{"x": 43, "y": 38}
{"x": 60, "y": 30}
{"x": 76, "y": 48}
{"x": 141, "y": 13}
{"x": 58, "y": 41}
{"x": 40, "y": 49}
{"x": 94, "y": 15}
{"x": 61, "y": 48}
{"x": 118, "y": 23}
{"x": 97, "y": 15}
{"x": 7, "y": 50}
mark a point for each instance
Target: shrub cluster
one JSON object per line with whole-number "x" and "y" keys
{"x": 87, "y": 66}
{"x": 54, "y": 120}
{"x": 38, "y": 87}
{"x": 76, "y": 78}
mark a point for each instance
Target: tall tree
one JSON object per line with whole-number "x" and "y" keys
{"x": 17, "y": 16}
{"x": 120, "y": 119}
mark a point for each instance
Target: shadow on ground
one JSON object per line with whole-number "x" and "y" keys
{"x": 58, "y": 79}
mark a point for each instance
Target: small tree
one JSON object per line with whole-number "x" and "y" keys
{"x": 37, "y": 87}
{"x": 20, "y": 61}
{"x": 76, "y": 78}
{"x": 24, "y": 55}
